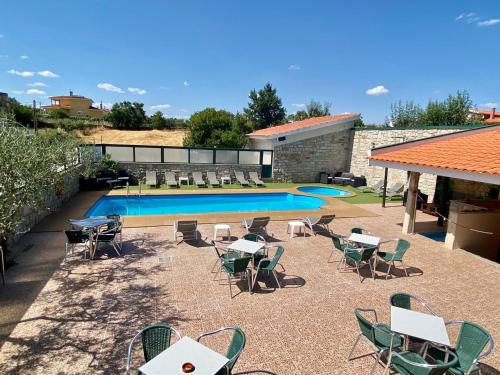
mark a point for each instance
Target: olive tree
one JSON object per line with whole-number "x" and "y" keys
{"x": 33, "y": 166}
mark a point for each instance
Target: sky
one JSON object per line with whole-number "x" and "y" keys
{"x": 183, "y": 56}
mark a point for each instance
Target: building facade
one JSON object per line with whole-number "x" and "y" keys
{"x": 75, "y": 106}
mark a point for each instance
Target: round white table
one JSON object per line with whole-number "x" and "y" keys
{"x": 222, "y": 227}
{"x": 293, "y": 225}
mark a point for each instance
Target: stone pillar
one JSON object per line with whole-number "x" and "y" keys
{"x": 411, "y": 204}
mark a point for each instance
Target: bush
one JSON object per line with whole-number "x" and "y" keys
{"x": 127, "y": 115}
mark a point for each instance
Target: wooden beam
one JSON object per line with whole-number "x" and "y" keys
{"x": 384, "y": 193}
{"x": 411, "y": 204}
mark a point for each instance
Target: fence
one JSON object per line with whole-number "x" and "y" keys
{"x": 188, "y": 155}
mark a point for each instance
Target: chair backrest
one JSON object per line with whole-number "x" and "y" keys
{"x": 259, "y": 222}
{"x": 254, "y": 175}
{"x": 401, "y": 247}
{"x": 254, "y": 237}
{"x": 378, "y": 184}
{"x": 187, "y": 226}
{"x": 404, "y": 301}
{"x": 365, "y": 325}
{"x": 337, "y": 242}
{"x": 239, "y": 175}
{"x": 236, "y": 346}
{"x": 169, "y": 176}
{"x": 396, "y": 188}
{"x": 276, "y": 258}
{"x": 155, "y": 339}
{"x": 471, "y": 341}
{"x": 326, "y": 219}
{"x": 368, "y": 252}
{"x": 76, "y": 236}
{"x": 151, "y": 176}
{"x": 241, "y": 264}
{"x": 211, "y": 176}
{"x": 357, "y": 230}
{"x": 197, "y": 176}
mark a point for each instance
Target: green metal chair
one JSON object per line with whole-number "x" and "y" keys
{"x": 404, "y": 301}
{"x": 223, "y": 255}
{"x": 235, "y": 267}
{"x": 339, "y": 244}
{"x": 359, "y": 256}
{"x": 75, "y": 237}
{"x": 469, "y": 348}
{"x": 117, "y": 225}
{"x": 269, "y": 265}
{"x": 155, "y": 339}
{"x": 378, "y": 335}
{"x": 234, "y": 350}
{"x": 257, "y": 238}
{"x": 396, "y": 256}
{"x": 412, "y": 363}
{"x": 359, "y": 231}
{"x": 107, "y": 237}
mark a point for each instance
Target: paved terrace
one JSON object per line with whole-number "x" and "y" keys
{"x": 83, "y": 319}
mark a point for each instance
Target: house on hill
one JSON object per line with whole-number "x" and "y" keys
{"x": 75, "y": 105}
{"x": 488, "y": 116}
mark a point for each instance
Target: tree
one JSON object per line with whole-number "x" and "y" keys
{"x": 157, "y": 121}
{"x": 265, "y": 108}
{"x": 407, "y": 114}
{"x": 458, "y": 109}
{"x": 359, "y": 123}
{"x": 313, "y": 109}
{"x": 126, "y": 115}
{"x": 31, "y": 166}
{"x": 216, "y": 128}
{"x": 22, "y": 113}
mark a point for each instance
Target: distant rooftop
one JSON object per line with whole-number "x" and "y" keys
{"x": 304, "y": 124}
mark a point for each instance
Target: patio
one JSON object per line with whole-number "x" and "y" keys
{"x": 85, "y": 316}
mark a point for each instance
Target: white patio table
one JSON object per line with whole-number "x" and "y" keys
{"x": 416, "y": 324}
{"x": 91, "y": 223}
{"x": 186, "y": 350}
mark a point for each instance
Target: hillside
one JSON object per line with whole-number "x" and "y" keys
{"x": 136, "y": 137}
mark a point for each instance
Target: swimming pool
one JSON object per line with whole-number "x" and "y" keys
{"x": 320, "y": 190}
{"x": 202, "y": 203}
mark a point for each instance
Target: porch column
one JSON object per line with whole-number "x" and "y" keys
{"x": 411, "y": 204}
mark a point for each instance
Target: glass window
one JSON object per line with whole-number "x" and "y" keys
{"x": 201, "y": 156}
{"x": 176, "y": 155}
{"x": 117, "y": 153}
{"x": 148, "y": 154}
{"x": 249, "y": 157}
{"x": 226, "y": 157}
{"x": 267, "y": 158}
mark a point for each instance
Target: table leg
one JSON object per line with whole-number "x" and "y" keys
{"x": 91, "y": 244}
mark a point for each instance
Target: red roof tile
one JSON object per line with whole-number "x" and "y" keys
{"x": 297, "y": 125}
{"x": 476, "y": 151}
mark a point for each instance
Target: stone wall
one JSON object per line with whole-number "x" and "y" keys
{"x": 302, "y": 161}
{"x": 366, "y": 139}
{"x": 137, "y": 171}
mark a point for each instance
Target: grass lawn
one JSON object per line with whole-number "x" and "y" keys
{"x": 360, "y": 198}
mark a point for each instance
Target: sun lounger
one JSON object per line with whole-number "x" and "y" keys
{"x": 395, "y": 190}
{"x": 370, "y": 189}
{"x": 256, "y": 225}
{"x": 198, "y": 179}
{"x": 254, "y": 177}
{"x": 322, "y": 222}
{"x": 212, "y": 179}
{"x": 170, "y": 179}
{"x": 151, "y": 178}
{"x": 188, "y": 229}
{"x": 240, "y": 177}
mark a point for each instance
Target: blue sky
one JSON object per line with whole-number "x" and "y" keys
{"x": 186, "y": 55}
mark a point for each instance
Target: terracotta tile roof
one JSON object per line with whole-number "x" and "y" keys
{"x": 476, "y": 151}
{"x": 298, "y": 125}
{"x": 487, "y": 115}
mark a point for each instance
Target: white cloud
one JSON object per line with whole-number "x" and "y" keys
{"x": 299, "y": 105}
{"x": 490, "y": 105}
{"x": 37, "y": 84}
{"x": 462, "y": 15}
{"x": 377, "y": 90}
{"x": 136, "y": 90}
{"x": 17, "y": 92}
{"x": 489, "y": 22}
{"x": 186, "y": 83}
{"x": 35, "y": 92}
{"x": 109, "y": 87}
{"x": 159, "y": 107}
{"x": 47, "y": 74}
{"x": 22, "y": 74}
{"x": 24, "y": 57}
{"x": 294, "y": 67}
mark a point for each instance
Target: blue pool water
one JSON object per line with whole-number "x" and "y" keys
{"x": 436, "y": 236}
{"x": 202, "y": 203}
{"x": 332, "y": 192}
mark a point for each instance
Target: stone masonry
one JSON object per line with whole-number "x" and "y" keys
{"x": 303, "y": 161}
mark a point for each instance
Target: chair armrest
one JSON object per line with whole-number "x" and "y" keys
{"x": 429, "y": 365}
{"x": 370, "y": 311}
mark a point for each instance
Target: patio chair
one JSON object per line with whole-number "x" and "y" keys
{"x": 117, "y": 224}
{"x": 155, "y": 339}
{"x": 469, "y": 347}
{"x": 213, "y": 180}
{"x": 256, "y": 225}
{"x": 236, "y": 267}
{"x": 2, "y": 265}
{"x": 74, "y": 237}
{"x": 269, "y": 265}
{"x": 170, "y": 179}
{"x": 397, "y": 256}
{"x": 240, "y": 177}
{"x": 188, "y": 229}
{"x": 107, "y": 237}
{"x": 378, "y": 335}
{"x": 396, "y": 190}
{"x": 322, "y": 222}
{"x": 413, "y": 363}
{"x": 371, "y": 189}
{"x": 234, "y": 350}
{"x": 198, "y": 179}
{"x": 151, "y": 178}
{"x": 359, "y": 231}
{"x": 222, "y": 255}
{"x": 339, "y": 244}
{"x": 254, "y": 177}
{"x": 404, "y": 301}
{"x": 257, "y": 238}
{"x": 362, "y": 255}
